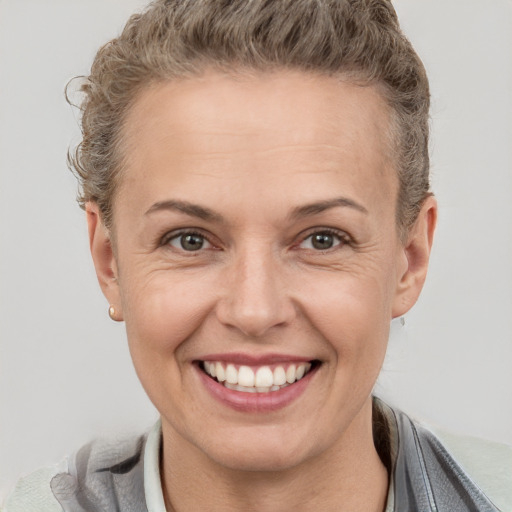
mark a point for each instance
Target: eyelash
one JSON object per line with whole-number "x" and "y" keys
{"x": 344, "y": 239}
{"x": 176, "y": 235}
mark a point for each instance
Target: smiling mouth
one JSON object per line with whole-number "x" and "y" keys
{"x": 260, "y": 379}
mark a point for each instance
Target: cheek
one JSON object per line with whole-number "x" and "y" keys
{"x": 162, "y": 313}
{"x": 354, "y": 300}
{"x": 162, "y": 308}
{"x": 352, "y": 311}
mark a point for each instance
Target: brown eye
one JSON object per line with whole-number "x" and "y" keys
{"x": 189, "y": 242}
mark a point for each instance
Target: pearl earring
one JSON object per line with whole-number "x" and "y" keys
{"x": 112, "y": 313}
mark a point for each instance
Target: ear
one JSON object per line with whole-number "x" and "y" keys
{"x": 104, "y": 260}
{"x": 416, "y": 254}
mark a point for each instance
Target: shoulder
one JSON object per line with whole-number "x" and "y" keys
{"x": 33, "y": 493}
{"x": 487, "y": 463}
{"x": 434, "y": 470}
{"x": 105, "y": 474}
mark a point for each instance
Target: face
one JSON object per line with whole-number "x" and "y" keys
{"x": 258, "y": 263}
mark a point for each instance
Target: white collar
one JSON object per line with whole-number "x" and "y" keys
{"x": 152, "y": 484}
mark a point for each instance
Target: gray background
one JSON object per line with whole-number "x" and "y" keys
{"x": 65, "y": 371}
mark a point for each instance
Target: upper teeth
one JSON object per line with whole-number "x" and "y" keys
{"x": 262, "y": 379}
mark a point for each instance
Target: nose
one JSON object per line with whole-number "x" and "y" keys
{"x": 254, "y": 297}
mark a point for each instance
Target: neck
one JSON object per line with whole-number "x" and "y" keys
{"x": 349, "y": 476}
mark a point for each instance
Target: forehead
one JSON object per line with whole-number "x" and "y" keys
{"x": 249, "y": 102}
{"x": 268, "y": 127}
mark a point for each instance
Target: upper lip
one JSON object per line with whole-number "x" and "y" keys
{"x": 255, "y": 359}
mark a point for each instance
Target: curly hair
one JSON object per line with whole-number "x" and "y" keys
{"x": 172, "y": 39}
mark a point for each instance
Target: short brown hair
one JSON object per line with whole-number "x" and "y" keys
{"x": 360, "y": 39}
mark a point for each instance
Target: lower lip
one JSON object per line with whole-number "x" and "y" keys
{"x": 256, "y": 402}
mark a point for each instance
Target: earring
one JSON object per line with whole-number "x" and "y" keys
{"x": 112, "y": 313}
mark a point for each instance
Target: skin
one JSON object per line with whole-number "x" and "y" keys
{"x": 255, "y": 149}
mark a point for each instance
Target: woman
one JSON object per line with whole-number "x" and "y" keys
{"x": 255, "y": 177}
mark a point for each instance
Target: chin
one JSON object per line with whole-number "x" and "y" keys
{"x": 263, "y": 461}
{"x": 260, "y": 453}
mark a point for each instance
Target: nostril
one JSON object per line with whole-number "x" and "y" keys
{"x": 252, "y": 321}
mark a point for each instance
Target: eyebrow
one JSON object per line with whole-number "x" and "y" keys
{"x": 321, "y": 206}
{"x": 193, "y": 210}
{"x": 201, "y": 212}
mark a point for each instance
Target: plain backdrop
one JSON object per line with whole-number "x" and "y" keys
{"x": 65, "y": 371}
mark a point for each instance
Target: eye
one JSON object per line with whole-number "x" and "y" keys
{"x": 189, "y": 242}
{"x": 322, "y": 241}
